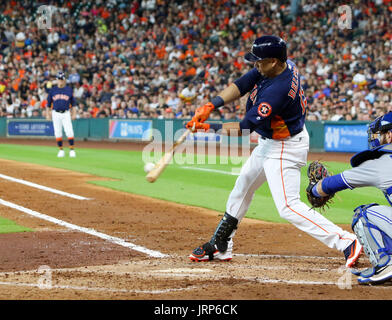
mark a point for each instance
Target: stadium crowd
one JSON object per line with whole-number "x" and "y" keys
{"x": 162, "y": 59}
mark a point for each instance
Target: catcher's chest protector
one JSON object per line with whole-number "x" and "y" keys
{"x": 375, "y": 153}
{"x": 372, "y": 224}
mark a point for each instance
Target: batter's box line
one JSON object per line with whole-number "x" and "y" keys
{"x": 41, "y": 187}
{"x": 90, "y": 231}
{"x": 255, "y": 279}
{"x": 102, "y": 289}
{"x": 280, "y": 256}
{"x": 268, "y": 256}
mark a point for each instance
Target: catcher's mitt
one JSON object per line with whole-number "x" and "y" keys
{"x": 316, "y": 172}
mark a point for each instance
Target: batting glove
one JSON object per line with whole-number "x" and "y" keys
{"x": 194, "y": 126}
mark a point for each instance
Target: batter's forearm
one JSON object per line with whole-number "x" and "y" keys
{"x": 230, "y": 94}
{"x": 227, "y": 95}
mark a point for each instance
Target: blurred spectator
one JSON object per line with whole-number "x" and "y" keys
{"x": 188, "y": 94}
{"x": 74, "y": 77}
{"x": 141, "y": 58}
{"x": 338, "y": 114}
{"x": 312, "y": 117}
{"x": 173, "y": 101}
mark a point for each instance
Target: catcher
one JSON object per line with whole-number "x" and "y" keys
{"x": 372, "y": 223}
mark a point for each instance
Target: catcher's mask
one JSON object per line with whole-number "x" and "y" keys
{"x": 377, "y": 127}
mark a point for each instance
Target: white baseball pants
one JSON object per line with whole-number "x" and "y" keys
{"x": 279, "y": 163}
{"x": 60, "y": 121}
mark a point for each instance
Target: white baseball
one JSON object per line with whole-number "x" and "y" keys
{"x": 149, "y": 166}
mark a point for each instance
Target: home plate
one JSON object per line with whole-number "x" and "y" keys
{"x": 182, "y": 270}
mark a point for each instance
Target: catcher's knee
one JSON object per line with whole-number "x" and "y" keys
{"x": 374, "y": 232}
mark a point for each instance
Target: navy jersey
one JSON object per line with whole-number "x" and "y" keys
{"x": 61, "y": 99}
{"x": 276, "y": 107}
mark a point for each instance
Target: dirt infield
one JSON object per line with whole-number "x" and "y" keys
{"x": 105, "y": 251}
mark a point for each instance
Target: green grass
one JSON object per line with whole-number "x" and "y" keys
{"x": 9, "y": 226}
{"x": 197, "y": 188}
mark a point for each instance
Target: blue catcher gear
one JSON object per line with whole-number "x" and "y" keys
{"x": 267, "y": 47}
{"x": 378, "y": 126}
{"x": 372, "y": 225}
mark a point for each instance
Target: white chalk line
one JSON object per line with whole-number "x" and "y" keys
{"x": 41, "y": 187}
{"x": 211, "y": 170}
{"x": 281, "y": 256}
{"x": 90, "y": 231}
{"x": 175, "y": 272}
{"x": 156, "y": 273}
{"x": 103, "y": 289}
{"x": 262, "y": 280}
{"x": 169, "y": 290}
{"x": 167, "y": 273}
{"x": 277, "y": 267}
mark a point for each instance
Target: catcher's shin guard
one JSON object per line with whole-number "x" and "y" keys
{"x": 370, "y": 224}
{"x": 224, "y": 232}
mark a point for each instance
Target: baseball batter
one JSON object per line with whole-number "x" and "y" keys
{"x": 276, "y": 109}
{"x": 61, "y": 103}
{"x": 372, "y": 223}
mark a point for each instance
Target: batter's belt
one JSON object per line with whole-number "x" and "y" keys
{"x": 61, "y": 111}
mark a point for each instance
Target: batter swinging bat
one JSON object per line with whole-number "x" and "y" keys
{"x": 164, "y": 161}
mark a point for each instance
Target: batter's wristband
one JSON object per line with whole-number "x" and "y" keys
{"x": 217, "y": 102}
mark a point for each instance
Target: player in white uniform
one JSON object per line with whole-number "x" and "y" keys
{"x": 276, "y": 110}
{"x": 61, "y": 103}
{"x": 372, "y": 223}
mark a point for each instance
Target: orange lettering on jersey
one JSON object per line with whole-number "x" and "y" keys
{"x": 279, "y": 128}
{"x": 292, "y": 94}
{"x": 253, "y": 94}
{"x": 294, "y": 84}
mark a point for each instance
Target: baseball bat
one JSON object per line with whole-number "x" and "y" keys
{"x": 164, "y": 161}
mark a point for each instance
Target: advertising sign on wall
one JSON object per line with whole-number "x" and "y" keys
{"x": 130, "y": 129}
{"x": 29, "y": 128}
{"x": 345, "y": 138}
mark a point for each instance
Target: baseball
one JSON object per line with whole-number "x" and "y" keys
{"x": 149, "y": 166}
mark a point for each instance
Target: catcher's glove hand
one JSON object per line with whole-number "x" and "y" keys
{"x": 316, "y": 172}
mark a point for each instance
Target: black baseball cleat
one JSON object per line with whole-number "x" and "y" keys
{"x": 208, "y": 252}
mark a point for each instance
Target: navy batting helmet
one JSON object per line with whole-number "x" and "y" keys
{"x": 378, "y": 126}
{"x": 267, "y": 47}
